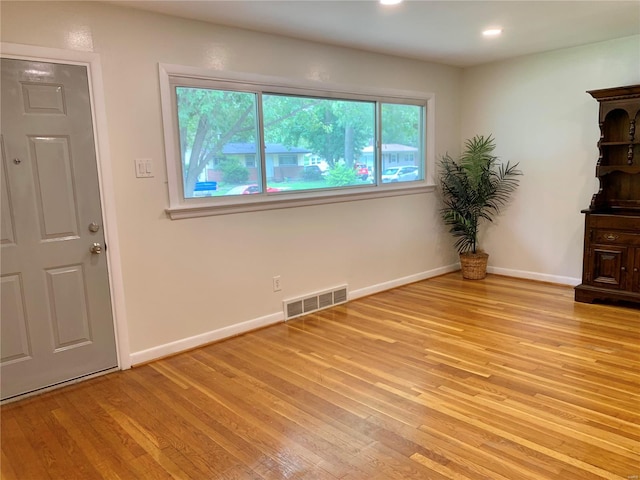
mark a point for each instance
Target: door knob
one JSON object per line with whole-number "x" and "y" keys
{"x": 96, "y": 249}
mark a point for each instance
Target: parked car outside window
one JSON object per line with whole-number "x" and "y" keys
{"x": 361, "y": 170}
{"x": 251, "y": 189}
{"x": 313, "y": 172}
{"x": 400, "y": 174}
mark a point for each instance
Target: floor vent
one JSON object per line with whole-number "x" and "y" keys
{"x": 294, "y": 309}
{"x": 313, "y": 302}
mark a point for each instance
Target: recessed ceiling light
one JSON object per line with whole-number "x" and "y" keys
{"x": 492, "y": 32}
{"x": 390, "y": 2}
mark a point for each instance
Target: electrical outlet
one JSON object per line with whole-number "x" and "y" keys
{"x": 276, "y": 284}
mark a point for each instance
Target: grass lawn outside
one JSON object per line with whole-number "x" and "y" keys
{"x": 224, "y": 189}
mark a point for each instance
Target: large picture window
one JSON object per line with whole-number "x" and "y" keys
{"x": 236, "y": 146}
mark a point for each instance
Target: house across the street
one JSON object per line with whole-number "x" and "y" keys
{"x": 393, "y": 155}
{"x": 282, "y": 162}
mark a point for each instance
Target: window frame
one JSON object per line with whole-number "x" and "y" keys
{"x": 179, "y": 207}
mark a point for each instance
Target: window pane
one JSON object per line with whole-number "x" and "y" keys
{"x": 218, "y": 138}
{"x": 316, "y": 143}
{"x": 402, "y": 145}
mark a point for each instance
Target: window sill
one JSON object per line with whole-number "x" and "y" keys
{"x": 292, "y": 200}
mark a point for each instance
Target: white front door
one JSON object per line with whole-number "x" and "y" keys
{"x": 56, "y": 321}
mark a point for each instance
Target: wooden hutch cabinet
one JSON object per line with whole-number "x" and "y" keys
{"x": 611, "y": 264}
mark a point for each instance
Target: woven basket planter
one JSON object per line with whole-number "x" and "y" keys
{"x": 474, "y": 265}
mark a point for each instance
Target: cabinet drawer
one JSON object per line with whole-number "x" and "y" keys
{"x": 615, "y": 222}
{"x": 614, "y": 237}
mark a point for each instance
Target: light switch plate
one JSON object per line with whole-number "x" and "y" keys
{"x": 144, "y": 168}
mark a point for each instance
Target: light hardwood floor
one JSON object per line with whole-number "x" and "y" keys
{"x": 442, "y": 379}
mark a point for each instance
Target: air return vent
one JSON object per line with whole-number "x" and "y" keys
{"x": 340, "y": 295}
{"x": 312, "y": 302}
{"x": 325, "y": 300}
{"x": 294, "y": 309}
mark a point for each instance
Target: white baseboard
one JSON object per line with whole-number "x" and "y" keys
{"x": 381, "y": 287}
{"x": 541, "y": 277}
{"x": 184, "y": 344}
{"x": 204, "y": 338}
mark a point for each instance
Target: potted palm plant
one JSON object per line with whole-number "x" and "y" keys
{"x": 474, "y": 188}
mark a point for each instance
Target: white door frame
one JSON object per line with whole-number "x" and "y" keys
{"x": 105, "y": 177}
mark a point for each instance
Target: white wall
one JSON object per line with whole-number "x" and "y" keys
{"x": 537, "y": 109}
{"x": 185, "y": 278}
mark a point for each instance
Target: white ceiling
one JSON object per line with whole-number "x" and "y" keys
{"x": 441, "y": 31}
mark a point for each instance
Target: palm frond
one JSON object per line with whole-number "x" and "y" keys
{"x": 474, "y": 188}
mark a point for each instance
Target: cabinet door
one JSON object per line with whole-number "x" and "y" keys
{"x": 635, "y": 286}
{"x": 608, "y": 265}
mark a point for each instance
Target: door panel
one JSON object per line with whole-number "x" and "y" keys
{"x": 53, "y": 181}
{"x": 56, "y": 322}
{"x": 6, "y": 212}
{"x": 607, "y": 266}
{"x": 15, "y": 339}
{"x": 68, "y": 307}
{"x": 43, "y": 98}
